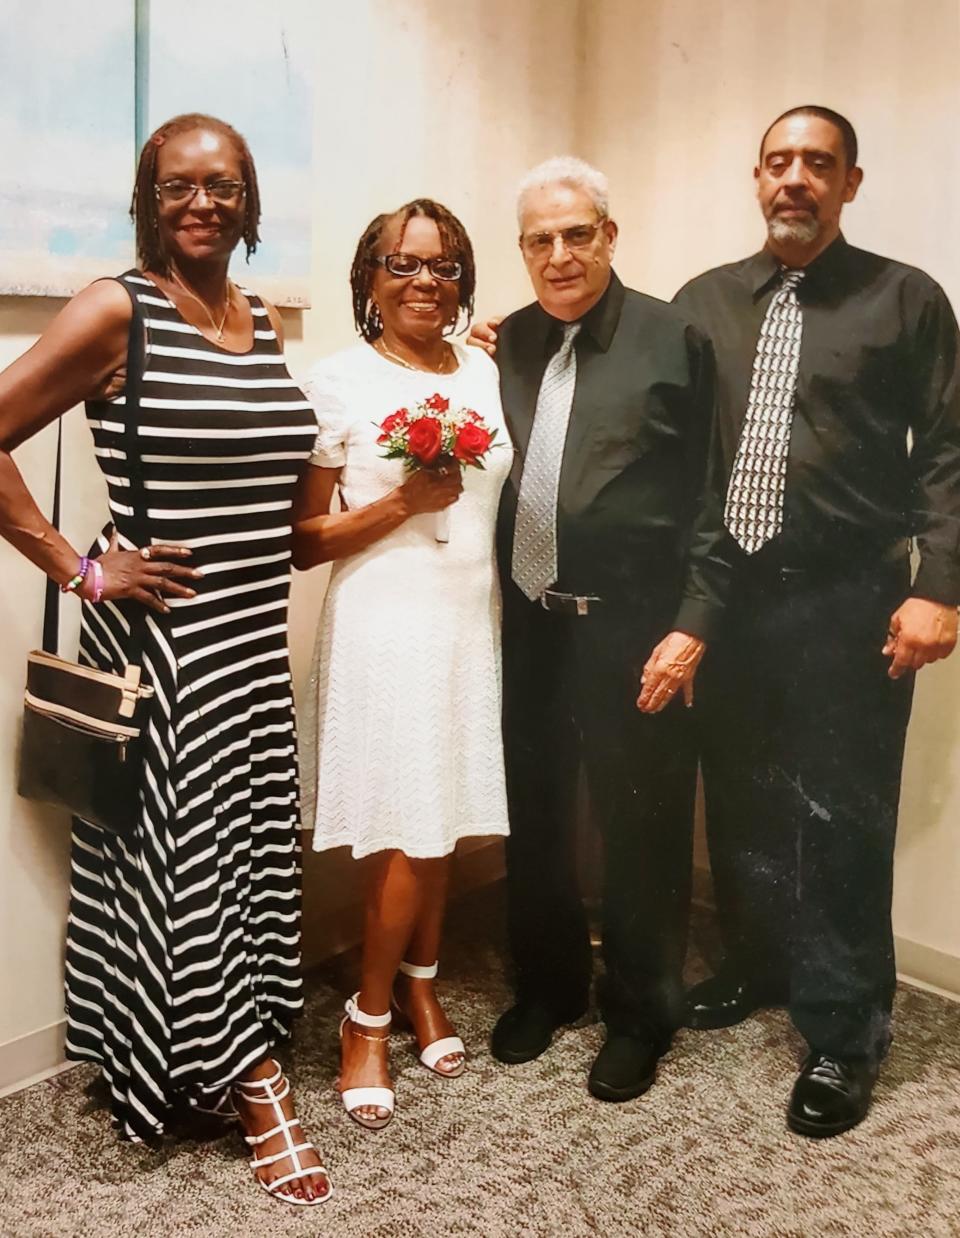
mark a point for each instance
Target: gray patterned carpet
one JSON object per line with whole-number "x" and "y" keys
{"x": 523, "y": 1150}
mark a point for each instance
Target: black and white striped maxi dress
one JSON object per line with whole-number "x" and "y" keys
{"x": 183, "y": 943}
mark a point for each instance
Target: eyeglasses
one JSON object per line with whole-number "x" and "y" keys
{"x": 403, "y": 266}
{"x": 178, "y": 193}
{"x": 578, "y": 236}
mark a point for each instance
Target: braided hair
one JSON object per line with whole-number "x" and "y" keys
{"x": 143, "y": 204}
{"x": 453, "y": 239}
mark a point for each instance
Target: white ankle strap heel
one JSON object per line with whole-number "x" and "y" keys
{"x": 271, "y": 1091}
{"x": 415, "y": 972}
{"x": 355, "y": 1099}
{"x": 446, "y": 1046}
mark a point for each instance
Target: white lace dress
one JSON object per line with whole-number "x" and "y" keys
{"x": 400, "y": 732}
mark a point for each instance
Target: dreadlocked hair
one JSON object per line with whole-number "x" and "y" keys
{"x": 453, "y": 239}
{"x": 143, "y": 204}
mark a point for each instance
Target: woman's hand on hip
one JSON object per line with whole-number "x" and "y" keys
{"x": 146, "y": 575}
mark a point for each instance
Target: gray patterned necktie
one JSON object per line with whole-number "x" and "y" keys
{"x": 754, "y": 508}
{"x": 534, "y": 563}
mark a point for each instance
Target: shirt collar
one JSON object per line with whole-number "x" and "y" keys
{"x": 762, "y": 269}
{"x": 599, "y": 322}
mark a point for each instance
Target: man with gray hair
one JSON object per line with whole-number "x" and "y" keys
{"x": 608, "y": 396}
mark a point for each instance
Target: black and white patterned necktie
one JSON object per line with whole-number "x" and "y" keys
{"x": 534, "y": 562}
{"x": 754, "y": 508}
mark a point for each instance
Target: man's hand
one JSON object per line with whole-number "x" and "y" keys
{"x": 671, "y": 666}
{"x": 484, "y": 335}
{"x": 921, "y": 631}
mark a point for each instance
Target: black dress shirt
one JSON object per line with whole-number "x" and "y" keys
{"x": 879, "y": 358}
{"x": 635, "y": 451}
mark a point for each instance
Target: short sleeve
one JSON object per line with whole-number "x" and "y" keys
{"x": 324, "y": 390}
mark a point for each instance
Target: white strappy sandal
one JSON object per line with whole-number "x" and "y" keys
{"x": 277, "y": 1089}
{"x": 223, "y": 1108}
{"x": 355, "y": 1099}
{"x": 446, "y": 1046}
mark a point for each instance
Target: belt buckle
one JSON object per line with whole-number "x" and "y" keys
{"x": 554, "y": 594}
{"x": 580, "y": 603}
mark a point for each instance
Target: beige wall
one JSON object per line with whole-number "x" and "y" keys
{"x": 455, "y": 101}
{"x": 677, "y": 95}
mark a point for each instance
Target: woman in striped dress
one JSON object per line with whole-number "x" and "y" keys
{"x": 183, "y": 937}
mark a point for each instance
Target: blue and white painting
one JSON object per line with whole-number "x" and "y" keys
{"x": 248, "y": 63}
{"x": 77, "y": 78}
{"x": 66, "y": 144}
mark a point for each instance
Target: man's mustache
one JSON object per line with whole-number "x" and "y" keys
{"x": 795, "y": 204}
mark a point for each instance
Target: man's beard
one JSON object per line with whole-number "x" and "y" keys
{"x": 797, "y": 231}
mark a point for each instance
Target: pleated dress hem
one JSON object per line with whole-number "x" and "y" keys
{"x": 370, "y": 846}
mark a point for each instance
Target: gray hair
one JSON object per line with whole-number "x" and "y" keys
{"x": 566, "y": 170}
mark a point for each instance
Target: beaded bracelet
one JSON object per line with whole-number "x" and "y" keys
{"x": 75, "y": 582}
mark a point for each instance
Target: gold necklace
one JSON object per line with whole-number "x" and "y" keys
{"x": 228, "y": 301}
{"x": 444, "y": 368}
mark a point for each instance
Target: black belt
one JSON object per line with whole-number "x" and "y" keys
{"x": 796, "y": 575}
{"x": 569, "y": 603}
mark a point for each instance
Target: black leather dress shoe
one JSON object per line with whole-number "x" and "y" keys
{"x": 624, "y": 1068}
{"x": 831, "y": 1095}
{"x": 525, "y": 1031}
{"x": 723, "y": 1001}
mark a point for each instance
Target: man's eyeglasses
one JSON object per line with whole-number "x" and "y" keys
{"x": 404, "y": 266}
{"x": 178, "y": 193}
{"x": 578, "y": 236}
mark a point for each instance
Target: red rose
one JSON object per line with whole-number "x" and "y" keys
{"x": 424, "y": 439}
{"x": 437, "y": 403}
{"x": 471, "y": 442}
{"x": 391, "y": 424}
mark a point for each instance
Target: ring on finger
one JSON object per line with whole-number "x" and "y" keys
{"x": 145, "y": 553}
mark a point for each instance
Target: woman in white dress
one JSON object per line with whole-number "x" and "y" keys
{"x": 401, "y": 747}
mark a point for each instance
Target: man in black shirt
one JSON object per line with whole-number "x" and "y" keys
{"x": 827, "y": 358}
{"x": 608, "y": 395}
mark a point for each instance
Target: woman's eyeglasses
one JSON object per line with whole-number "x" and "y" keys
{"x": 178, "y": 193}
{"x": 405, "y": 265}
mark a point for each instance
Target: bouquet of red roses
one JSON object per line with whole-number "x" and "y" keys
{"x": 432, "y": 436}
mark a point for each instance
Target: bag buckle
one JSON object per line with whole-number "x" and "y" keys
{"x": 132, "y": 691}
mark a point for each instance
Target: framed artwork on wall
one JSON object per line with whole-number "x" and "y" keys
{"x": 66, "y": 137}
{"x": 247, "y": 63}
{"x": 75, "y": 110}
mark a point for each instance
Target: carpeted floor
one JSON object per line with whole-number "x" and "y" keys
{"x": 523, "y": 1150}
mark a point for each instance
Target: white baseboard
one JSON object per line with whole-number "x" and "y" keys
{"x": 38, "y": 1055}
{"x": 33, "y": 1058}
{"x": 928, "y": 968}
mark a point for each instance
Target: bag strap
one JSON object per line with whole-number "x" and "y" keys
{"x": 135, "y": 364}
{"x": 51, "y": 602}
{"x": 131, "y": 420}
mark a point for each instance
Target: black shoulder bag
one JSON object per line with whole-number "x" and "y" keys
{"x": 81, "y": 726}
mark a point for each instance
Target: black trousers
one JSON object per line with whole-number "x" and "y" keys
{"x": 570, "y": 686}
{"x": 802, "y": 735}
